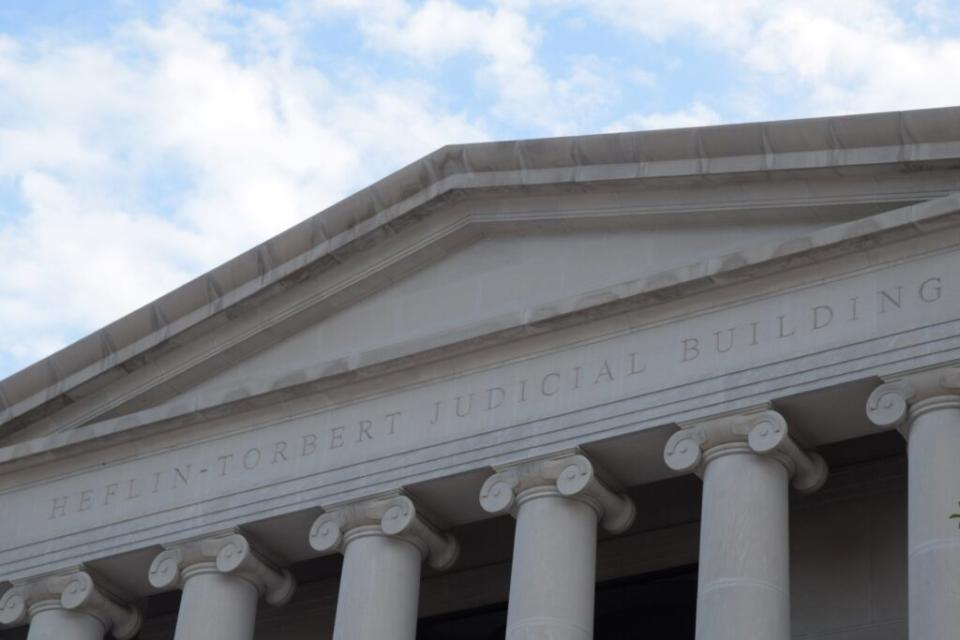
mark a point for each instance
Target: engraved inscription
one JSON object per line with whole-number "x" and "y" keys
{"x": 477, "y": 402}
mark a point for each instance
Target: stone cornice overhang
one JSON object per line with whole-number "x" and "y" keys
{"x": 898, "y": 225}
{"x": 896, "y": 141}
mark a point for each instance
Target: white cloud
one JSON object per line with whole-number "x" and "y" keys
{"x": 856, "y": 61}
{"x": 245, "y": 145}
{"x": 505, "y": 39}
{"x": 827, "y": 57}
{"x": 696, "y": 115}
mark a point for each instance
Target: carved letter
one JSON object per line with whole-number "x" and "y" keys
{"x": 336, "y": 437}
{"x": 729, "y": 345}
{"x": 782, "y": 333}
{"x": 884, "y": 296}
{"x": 633, "y": 364}
{"x": 110, "y": 492}
{"x": 364, "y": 433}
{"x": 820, "y": 321}
{"x": 495, "y": 397}
{"x": 223, "y": 460}
{"x": 132, "y": 491}
{"x": 753, "y": 330}
{"x": 576, "y": 377}
{"x": 309, "y": 445}
{"x": 183, "y": 477}
{"x": 392, "y": 421}
{"x": 462, "y": 413}
{"x": 690, "y": 346}
{"x": 251, "y": 461}
{"x": 604, "y": 373}
{"x": 59, "y": 507}
{"x": 436, "y": 412}
{"x": 86, "y": 500}
{"x": 543, "y": 384}
{"x": 853, "y": 307}
{"x": 279, "y": 451}
{"x": 931, "y": 290}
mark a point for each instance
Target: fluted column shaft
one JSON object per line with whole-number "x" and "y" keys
{"x": 384, "y": 541}
{"x": 746, "y": 462}
{"x": 743, "y": 587}
{"x": 557, "y": 502}
{"x": 222, "y": 579}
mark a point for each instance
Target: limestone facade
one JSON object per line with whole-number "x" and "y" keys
{"x": 701, "y": 383}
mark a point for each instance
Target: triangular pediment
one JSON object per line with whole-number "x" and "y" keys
{"x": 462, "y": 259}
{"x": 491, "y": 284}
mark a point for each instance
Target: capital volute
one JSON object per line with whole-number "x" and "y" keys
{"x": 763, "y": 432}
{"x": 78, "y": 591}
{"x": 230, "y": 554}
{"x": 571, "y": 474}
{"x": 900, "y": 398}
{"x": 393, "y": 514}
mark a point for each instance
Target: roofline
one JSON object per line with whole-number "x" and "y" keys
{"x": 906, "y": 136}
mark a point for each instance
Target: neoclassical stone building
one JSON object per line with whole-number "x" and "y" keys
{"x": 673, "y": 384}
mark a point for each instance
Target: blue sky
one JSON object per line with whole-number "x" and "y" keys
{"x": 142, "y": 143}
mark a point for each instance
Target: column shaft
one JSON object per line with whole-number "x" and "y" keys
{"x": 554, "y": 568}
{"x": 379, "y": 589}
{"x": 216, "y": 606}
{"x": 57, "y": 623}
{"x": 934, "y": 542}
{"x": 744, "y": 580}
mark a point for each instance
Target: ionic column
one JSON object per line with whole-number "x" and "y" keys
{"x": 70, "y": 606}
{"x": 746, "y": 462}
{"x": 222, "y": 579}
{"x": 557, "y": 503}
{"x": 383, "y": 541}
{"x": 925, "y": 407}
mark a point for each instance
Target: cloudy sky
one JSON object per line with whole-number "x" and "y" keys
{"x": 142, "y": 143}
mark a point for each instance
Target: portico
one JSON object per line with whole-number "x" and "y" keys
{"x": 510, "y": 373}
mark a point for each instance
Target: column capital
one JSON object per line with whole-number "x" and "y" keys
{"x": 393, "y": 514}
{"x": 77, "y": 590}
{"x": 903, "y": 397}
{"x": 570, "y": 474}
{"x": 763, "y": 432}
{"x": 231, "y": 554}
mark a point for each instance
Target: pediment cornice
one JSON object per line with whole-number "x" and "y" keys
{"x": 163, "y": 347}
{"x": 703, "y": 276}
